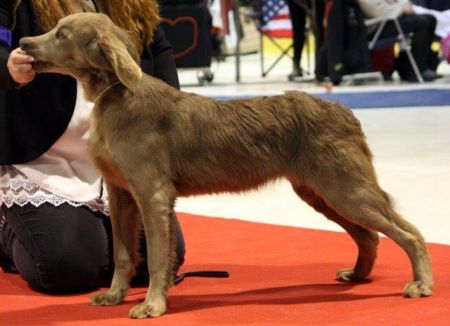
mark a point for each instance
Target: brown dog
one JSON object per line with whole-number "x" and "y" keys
{"x": 153, "y": 143}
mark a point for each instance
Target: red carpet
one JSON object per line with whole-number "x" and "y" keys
{"x": 279, "y": 276}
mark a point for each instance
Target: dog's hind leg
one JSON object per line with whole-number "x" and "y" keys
{"x": 360, "y": 200}
{"x": 156, "y": 199}
{"x": 125, "y": 228}
{"x": 366, "y": 240}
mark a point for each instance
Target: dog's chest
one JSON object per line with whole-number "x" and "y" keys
{"x": 100, "y": 152}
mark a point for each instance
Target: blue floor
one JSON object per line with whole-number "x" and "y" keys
{"x": 383, "y": 99}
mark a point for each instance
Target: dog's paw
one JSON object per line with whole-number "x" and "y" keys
{"x": 108, "y": 298}
{"x": 145, "y": 310}
{"x": 417, "y": 289}
{"x": 349, "y": 275}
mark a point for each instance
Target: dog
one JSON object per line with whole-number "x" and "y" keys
{"x": 153, "y": 143}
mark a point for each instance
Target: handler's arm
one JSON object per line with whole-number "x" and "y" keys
{"x": 6, "y": 8}
{"x": 164, "y": 66}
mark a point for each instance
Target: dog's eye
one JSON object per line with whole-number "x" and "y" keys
{"x": 92, "y": 40}
{"x": 60, "y": 35}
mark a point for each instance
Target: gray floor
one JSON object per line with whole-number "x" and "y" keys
{"x": 411, "y": 147}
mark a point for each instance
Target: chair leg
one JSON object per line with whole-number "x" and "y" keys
{"x": 377, "y": 35}
{"x": 261, "y": 51}
{"x": 408, "y": 51}
{"x": 284, "y": 52}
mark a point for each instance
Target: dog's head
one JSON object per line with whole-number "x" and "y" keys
{"x": 85, "y": 43}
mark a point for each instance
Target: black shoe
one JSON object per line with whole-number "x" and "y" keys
{"x": 296, "y": 73}
{"x": 430, "y": 75}
{"x": 387, "y": 76}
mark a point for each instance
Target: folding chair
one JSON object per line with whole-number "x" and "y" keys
{"x": 273, "y": 24}
{"x": 376, "y": 42}
{"x": 274, "y": 29}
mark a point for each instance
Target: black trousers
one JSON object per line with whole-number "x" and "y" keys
{"x": 64, "y": 249}
{"x": 439, "y": 5}
{"x": 298, "y": 16}
{"x": 422, "y": 27}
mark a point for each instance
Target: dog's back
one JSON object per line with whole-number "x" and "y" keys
{"x": 231, "y": 145}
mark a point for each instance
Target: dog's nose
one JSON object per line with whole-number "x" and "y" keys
{"x": 26, "y": 44}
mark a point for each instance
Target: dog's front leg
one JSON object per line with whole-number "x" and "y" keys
{"x": 125, "y": 228}
{"x": 157, "y": 213}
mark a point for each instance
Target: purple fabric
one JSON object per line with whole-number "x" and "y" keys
{"x": 5, "y": 35}
{"x": 445, "y": 45}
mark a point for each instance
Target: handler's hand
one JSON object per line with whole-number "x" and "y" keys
{"x": 19, "y": 66}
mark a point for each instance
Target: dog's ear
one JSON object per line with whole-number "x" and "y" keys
{"x": 120, "y": 60}
{"x": 108, "y": 52}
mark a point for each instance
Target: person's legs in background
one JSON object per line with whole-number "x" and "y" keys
{"x": 439, "y": 5}
{"x": 319, "y": 32}
{"x": 422, "y": 27}
{"x": 298, "y": 20}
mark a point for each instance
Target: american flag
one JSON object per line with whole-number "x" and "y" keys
{"x": 269, "y": 8}
{"x": 279, "y": 23}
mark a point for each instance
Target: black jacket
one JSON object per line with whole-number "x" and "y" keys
{"x": 345, "y": 50}
{"x": 33, "y": 117}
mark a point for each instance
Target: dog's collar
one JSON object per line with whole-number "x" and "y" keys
{"x": 107, "y": 88}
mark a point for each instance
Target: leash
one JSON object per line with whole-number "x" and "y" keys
{"x": 215, "y": 274}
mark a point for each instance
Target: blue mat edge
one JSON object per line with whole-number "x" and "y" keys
{"x": 430, "y": 97}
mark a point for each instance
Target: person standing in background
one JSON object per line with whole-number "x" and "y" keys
{"x": 298, "y": 15}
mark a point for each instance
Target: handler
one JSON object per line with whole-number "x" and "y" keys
{"x": 54, "y": 225}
